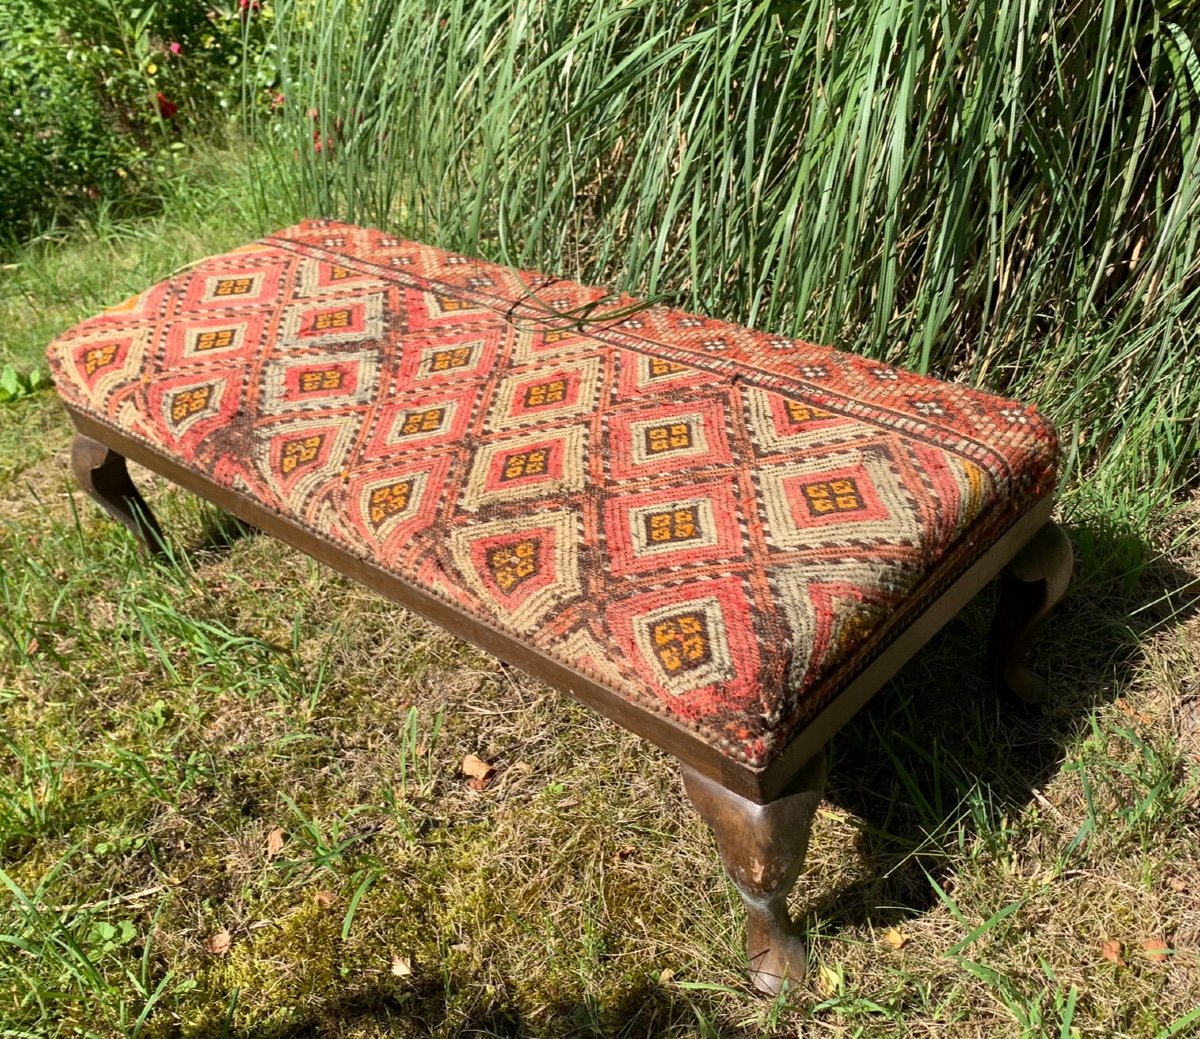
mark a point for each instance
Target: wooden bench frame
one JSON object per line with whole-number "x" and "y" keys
{"x": 761, "y": 818}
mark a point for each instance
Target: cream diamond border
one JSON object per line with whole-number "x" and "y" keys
{"x": 566, "y": 585}
{"x": 702, "y": 505}
{"x": 693, "y": 419}
{"x": 500, "y": 416}
{"x": 762, "y": 422}
{"x": 274, "y": 383}
{"x": 308, "y": 285}
{"x": 217, "y": 387}
{"x": 303, "y": 491}
{"x": 416, "y": 498}
{"x": 293, "y": 321}
{"x": 574, "y": 465}
{"x": 900, "y": 526}
{"x": 720, "y": 665}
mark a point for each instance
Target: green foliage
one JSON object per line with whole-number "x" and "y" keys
{"x": 14, "y": 385}
{"x": 168, "y": 61}
{"x": 95, "y": 94}
{"x": 998, "y": 190}
{"x": 57, "y": 955}
{"x": 60, "y": 146}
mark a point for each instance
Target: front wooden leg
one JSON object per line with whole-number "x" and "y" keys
{"x": 1033, "y": 584}
{"x": 763, "y": 848}
{"x": 102, "y": 473}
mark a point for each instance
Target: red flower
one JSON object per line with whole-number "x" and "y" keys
{"x": 166, "y": 107}
{"x": 175, "y": 48}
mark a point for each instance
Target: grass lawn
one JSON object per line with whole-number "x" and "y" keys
{"x": 231, "y": 804}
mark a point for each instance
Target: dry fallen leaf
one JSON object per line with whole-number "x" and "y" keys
{"x": 478, "y": 771}
{"x": 218, "y": 944}
{"x": 1157, "y": 948}
{"x": 275, "y": 842}
{"x": 401, "y": 966}
{"x": 325, "y": 899}
{"x": 1112, "y": 950}
{"x": 1129, "y": 712}
{"x": 829, "y": 980}
{"x": 896, "y": 939}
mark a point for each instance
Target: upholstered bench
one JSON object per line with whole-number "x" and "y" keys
{"x": 722, "y": 539}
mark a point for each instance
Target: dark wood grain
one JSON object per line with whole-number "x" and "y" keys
{"x": 1034, "y": 582}
{"x": 763, "y": 848}
{"x": 101, "y": 472}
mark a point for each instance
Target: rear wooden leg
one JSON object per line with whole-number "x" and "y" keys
{"x": 1033, "y": 584}
{"x": 763, "y": 848}
{"x": 102, "y": 473}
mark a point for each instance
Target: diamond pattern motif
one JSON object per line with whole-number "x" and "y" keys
{"x": 717, "y": 524}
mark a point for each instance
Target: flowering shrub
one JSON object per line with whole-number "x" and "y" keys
{"x": 183, "y": 56}
{"x": 61, "y": 146}
{"x": 95, "y": 94}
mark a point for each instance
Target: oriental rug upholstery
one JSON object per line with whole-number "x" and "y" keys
{"x": 717, "y": 524}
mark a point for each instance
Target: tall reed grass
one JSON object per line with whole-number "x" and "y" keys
{"x": 1002, "y": 191}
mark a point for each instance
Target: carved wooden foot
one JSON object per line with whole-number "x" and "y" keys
{"x": 102, "y": 473}
{"x": 1033, "y": 584}
{"x": 763, "y": 848}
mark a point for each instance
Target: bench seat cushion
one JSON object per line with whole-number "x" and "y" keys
{"x": 717, "y": 524}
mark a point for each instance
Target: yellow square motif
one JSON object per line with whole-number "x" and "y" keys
{"x": 542, "y": 393}
{"x": 325, "y": 379}
{"x": 672, "y": 525}
{"x": 830, "y": 496}
{"x": 215, "y": 339}
{"x": 681, "y": 643}
{"x": 387, "y": 501}
{"x": 300, "y": 452}
{"x": 799, "y": 412}
{"x": 513, "y": 564}
{"x": 673, "y": 437}
{"x": 525, "y": 463}
{"x": 660, "y": 367}
{"x": 330, "y": 320}
{"x": 422, "y": 421}
{"x": 99, "y": 357}
{"x": 446, "y": 360}
{"x": 189, "y": 402}
{"x": 233, "y": 286}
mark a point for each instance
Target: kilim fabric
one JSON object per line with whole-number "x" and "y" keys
{"x": 717, "y": 524}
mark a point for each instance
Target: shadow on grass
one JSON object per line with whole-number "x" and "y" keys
{"x": 426, "y": 1008}
{"x": 220, "y": 533}
{"x": 936, "y": 761}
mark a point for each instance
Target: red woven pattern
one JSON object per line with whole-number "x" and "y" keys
{"x": 716, "y": 523}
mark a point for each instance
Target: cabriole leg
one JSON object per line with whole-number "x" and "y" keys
{"x": 1033, "y": 584}
{"x": 763, "y": 848}
{"x": 102, "y": 473}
